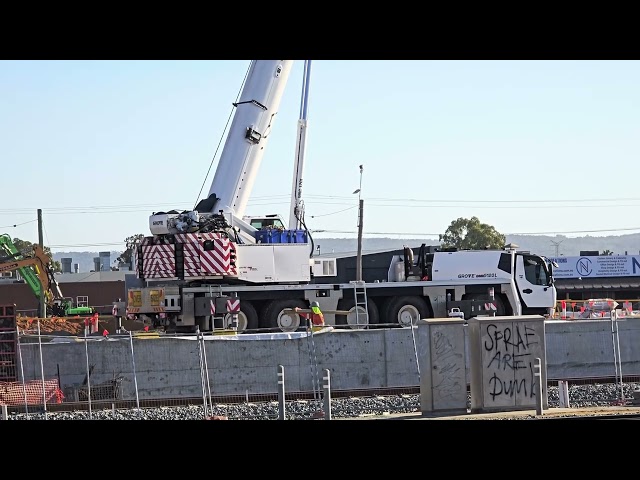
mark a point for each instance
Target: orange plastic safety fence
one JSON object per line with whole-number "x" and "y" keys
{"x": 31, "y": 393}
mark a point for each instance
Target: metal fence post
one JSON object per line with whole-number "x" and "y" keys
{"x": 86, "y": 354}
{"x": 281, "y": 398}
{"x": 617, "y": 360}
{"x": 563, "y": 393}
{"x": 538, "y": 375}
{"x": 24, "y": 388}
{"x": 135, "y": 377}
{"x": 44, "y": 393}
{"x": 206, "y": 371}
{"x": 415, "y": 348}
{"x": 202, "y": 380}
{"x": 327, "y": 393}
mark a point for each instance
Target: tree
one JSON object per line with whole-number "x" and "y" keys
{"x": 127, "y": 255}
{"x": 25, "y": 247}
{"x": 607, "y": 252}
{"x": 469, "y": 233}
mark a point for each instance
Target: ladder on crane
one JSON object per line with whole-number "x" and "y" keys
{"x": 313, "y": 362}
{"x": 360, "y": 297}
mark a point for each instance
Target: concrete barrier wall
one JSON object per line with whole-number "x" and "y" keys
{"x": 170, "y": 367}
{"x": 583, "y": 349}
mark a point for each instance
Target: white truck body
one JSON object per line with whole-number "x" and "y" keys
{"x": 489, "y": 283}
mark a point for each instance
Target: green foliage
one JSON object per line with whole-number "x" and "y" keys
{"x": 607, "y": 252}
{"x": 469, "y": 233}
{"x": 26, "y": 248}
{"x": 130, "y": 242}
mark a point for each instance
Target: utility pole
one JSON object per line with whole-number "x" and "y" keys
{"x": 360, "y": 217}
{"x": 43, "y": 306}
{"x": 359, "y": 257}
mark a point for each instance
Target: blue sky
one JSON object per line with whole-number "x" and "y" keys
{"x": 546, "y": 147}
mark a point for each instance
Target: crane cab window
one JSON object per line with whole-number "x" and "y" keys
{"x": 262, "y": 223}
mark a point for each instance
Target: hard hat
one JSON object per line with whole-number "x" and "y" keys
{"x": 315, "y": 304}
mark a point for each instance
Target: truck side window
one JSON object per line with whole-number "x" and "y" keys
{"x": 530, "y": 270}
{"x": 534, "y": 271}
{"x": 541, "y": 275}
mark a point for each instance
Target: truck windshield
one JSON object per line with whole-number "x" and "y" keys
{"x": 535, "y": 269}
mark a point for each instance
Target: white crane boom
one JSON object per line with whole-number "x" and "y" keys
{"x": 248, "y": 135}
{"x": 296, "y": 214}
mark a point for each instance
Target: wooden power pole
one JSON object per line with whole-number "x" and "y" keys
{"x": 43, "y": 305}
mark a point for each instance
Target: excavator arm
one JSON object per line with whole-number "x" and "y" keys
{"x": 35, "y": 269}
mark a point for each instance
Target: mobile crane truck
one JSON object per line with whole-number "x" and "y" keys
{"x": 203, "y": 268}
{"x": 36, "y": 270}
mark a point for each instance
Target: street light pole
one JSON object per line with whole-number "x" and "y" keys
{"x": 360, "y": 217}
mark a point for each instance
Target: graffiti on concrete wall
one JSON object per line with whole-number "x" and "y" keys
{"x": 509, "y": 352}
{"x": 449, "y": 377}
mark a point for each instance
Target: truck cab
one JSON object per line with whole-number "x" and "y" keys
{"x": 534, "y": 281}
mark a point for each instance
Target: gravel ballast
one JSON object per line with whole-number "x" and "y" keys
{"x": 580, "y": 396}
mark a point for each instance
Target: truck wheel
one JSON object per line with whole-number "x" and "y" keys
{"x": 349, "y": 304}
{"x": 275, "y": 315}
{"x": 405, "y": 311}
{"x": 247, "y": 318}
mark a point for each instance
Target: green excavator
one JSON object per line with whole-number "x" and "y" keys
{"x": 36, "y": 270}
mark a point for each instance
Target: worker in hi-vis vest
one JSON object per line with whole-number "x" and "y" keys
{"x": 317, "y": 318}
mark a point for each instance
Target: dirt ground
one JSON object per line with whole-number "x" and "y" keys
{"x": 72, "y": 325}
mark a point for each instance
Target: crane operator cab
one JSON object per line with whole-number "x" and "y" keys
{"x": 265, "y": 222}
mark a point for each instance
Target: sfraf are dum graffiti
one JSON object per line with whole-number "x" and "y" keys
{"x": 510, "y": 351}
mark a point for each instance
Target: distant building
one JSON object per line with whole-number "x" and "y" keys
{"x": 94, "y": 289}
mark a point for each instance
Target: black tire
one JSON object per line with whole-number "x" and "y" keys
{"x": 398, "y": 310}
{"x": 289, "y": 322}
{"x": 250, "y": 320}
{"x": 348, "y": 304}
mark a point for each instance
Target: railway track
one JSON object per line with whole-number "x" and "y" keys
{"x": 610, "y": 398}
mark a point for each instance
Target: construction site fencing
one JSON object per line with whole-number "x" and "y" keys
{"x": 217, "y": 373}
{"x": 225, "y": 375}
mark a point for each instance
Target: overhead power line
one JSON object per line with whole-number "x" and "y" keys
{"x": 353, "y": 232}
{"x": 571, "y": 203}
{"x": 148, "y": 208}
{"x": 18, "y": 224}
{"x": 515, "y": 233}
